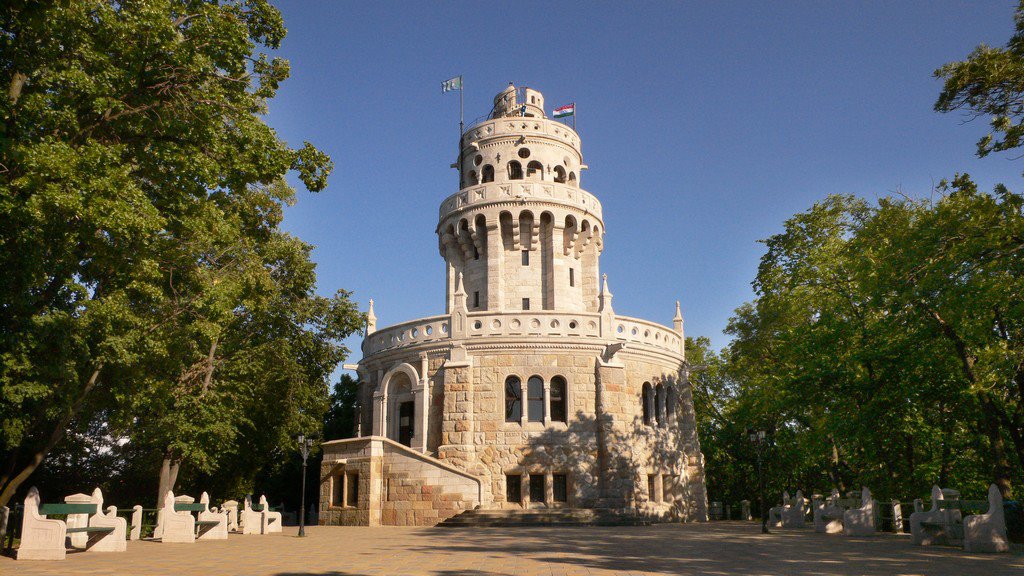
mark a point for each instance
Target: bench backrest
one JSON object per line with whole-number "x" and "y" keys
{"x": 50, "y": 509}
{"x": 186, "y": 507}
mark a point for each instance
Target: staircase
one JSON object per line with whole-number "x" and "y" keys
{"x": 545, "y": 517}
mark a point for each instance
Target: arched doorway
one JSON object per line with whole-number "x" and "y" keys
{"x": 401, "y": 409}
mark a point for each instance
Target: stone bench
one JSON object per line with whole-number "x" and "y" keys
{"x": 863, "y": 520}
{"x": 43, "y": 538}
{"x": 117, "y": 542}
{"x": 828, "y": 515}
{"x": 775, "y": 512}
{"x": 209, "y": 524}
{"x": 259, "y": 518}
{"x": 942, "y": 524}
{"x": 987, "y": 532}
{"x": 795, "y": 515}
{"x": 175, "y": 525}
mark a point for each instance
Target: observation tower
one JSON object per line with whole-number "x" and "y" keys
{"x": 529, "y": 391}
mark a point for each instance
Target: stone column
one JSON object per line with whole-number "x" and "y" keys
{"x": 379, "y": 414}
{"x": 495, "y": 267}
{"x": 615, "y": 479}
{"x": 897, "y": 517}
{"x": 423, "y": 408}
{"x": 456, "y": 425}
{"x": 547, "y": 402}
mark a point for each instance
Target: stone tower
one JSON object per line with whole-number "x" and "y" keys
{"x": 529, "y": 391}
{"x": 521, "y": 231}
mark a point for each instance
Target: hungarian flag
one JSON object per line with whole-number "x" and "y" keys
{"x": 567, "y": 110}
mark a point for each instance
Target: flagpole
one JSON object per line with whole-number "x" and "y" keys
{"x": 575, "y": 112}
{"x": 461, "y": 128}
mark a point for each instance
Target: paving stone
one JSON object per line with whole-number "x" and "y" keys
{"x": 683, "y": 549}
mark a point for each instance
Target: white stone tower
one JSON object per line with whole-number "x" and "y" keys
{"x": 521, "y": 231}
{"x": 529, "y": 391}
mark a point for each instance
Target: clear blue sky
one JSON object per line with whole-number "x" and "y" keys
{"x": 705, "y": 126}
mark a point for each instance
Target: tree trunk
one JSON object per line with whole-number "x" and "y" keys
{"x": 947, "y": 449}
{"x": 989, "y": 410}
{"x": 833, "y": 471}
{"x": 56, "y": 435}
{"x": 1000, "y": 464}
{"x": 168, "y": 476}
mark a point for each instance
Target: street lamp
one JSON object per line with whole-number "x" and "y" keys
{"x": 304, "y": 445}
{"x": 760, "y": 440}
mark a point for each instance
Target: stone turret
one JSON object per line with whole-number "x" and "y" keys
{"x": 521, "y": 231}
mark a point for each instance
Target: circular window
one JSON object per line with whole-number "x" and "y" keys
{"x": 429, "y": 330}
{"x": 495, "y": 324}
{"x": 478, "y": 160}
{"x": 565, "y": 161}
{"x": 621, "y": 329}
{"x": 444, "y": 328}
{"x": 477, "y": 325}
{"x": 524, "y": 152}
{"x": 572, "y": 324}
{"x": 634, "y": 331}
{"x": 415, "y": 332}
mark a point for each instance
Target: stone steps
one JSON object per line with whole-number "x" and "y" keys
{"x": 544, "y": 517}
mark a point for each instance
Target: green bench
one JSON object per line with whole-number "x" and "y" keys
{"x": 68, "y": 509}
{"x": 43, "y": 538}
{"x": 201, "y": 525}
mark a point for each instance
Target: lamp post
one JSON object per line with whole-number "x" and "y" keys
{"x": 304, "y": 445}
{"x": 760, "y": 440}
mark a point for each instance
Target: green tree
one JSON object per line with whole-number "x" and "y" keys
{"x": 990, "y": 83}
{"x": 132, "y": 132}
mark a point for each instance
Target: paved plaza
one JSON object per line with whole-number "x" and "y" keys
{"x": 717, "y": 548}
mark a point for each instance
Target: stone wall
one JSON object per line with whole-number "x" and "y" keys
{"x": 396, "y": 485}
{"x": 467, "y": 427}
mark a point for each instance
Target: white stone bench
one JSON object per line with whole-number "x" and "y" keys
{"x": 211, "y": 524}
{"x": 43, "y": 538}
{"x": 828, "y": 515}
{"x": 987, "y": 532}
{"x": 273, "y": 519}
{"x": 861, "y": 521}
{"x": 795, "y": 515}
{"x": 115, "y": 542}
{"x": 174, "y": 525}
{"x": 775, "y": 512}
{"x": 259, "y": 518}
{"x": 939, "y": 525}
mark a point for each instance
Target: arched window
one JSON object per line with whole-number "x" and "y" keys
{"x": 646, "y": 401}
{"x": 572, "y": 178}
{"x": 659, "y": 404}
{"x": 535, "y": 170}
{"x": 472, "y": 178}
{"x": 557, "y": 399}
{"x": 488, "y": 173}
{"x": 515, "y": 170}
{"x": 670, "y": 405}
{"x": 535, "y": 399}
{"x": 513, "y": 399}
{"x": 559, "y": 174}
